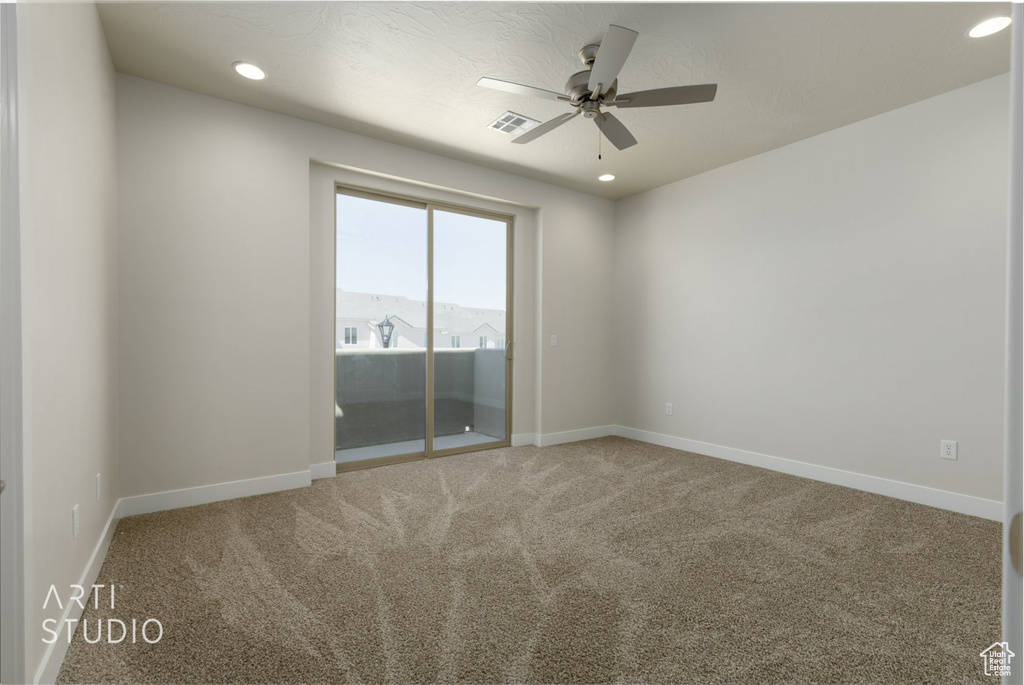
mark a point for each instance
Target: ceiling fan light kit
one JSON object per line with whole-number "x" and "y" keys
{"x": 596, "y": 86}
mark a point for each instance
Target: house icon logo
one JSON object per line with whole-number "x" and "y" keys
{"x": 997, "y": 659}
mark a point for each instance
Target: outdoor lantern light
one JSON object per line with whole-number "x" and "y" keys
{"x": 386, "y": 327}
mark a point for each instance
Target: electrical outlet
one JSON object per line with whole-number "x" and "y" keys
{"x": 554, "y": 340}
{"x": 74, "y": 522}
{"x": 98, "y": 487}
{"x": 668, "y": 409}
{"x": 948, "y": 449}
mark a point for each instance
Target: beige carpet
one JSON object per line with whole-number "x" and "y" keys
{"x": 588, "y": 562}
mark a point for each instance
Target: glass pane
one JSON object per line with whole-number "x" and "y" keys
{"x": 380, "y": 298}
{"x": 469, "y": 330}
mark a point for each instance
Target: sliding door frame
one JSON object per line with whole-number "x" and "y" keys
{"x": 430, "y": 206}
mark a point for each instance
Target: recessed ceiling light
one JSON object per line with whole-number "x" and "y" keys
{"x": 989, "y": 26}
{"x": 249, "y": 71}
{"x": 606, "y": 177}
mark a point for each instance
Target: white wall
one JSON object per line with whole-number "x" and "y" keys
{"x": 69, "y": 266}
{"x": 839, "y": 301}
{"x": 216, "y": 269}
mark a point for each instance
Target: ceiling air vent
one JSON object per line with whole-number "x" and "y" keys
{"x": 513, "y": 124}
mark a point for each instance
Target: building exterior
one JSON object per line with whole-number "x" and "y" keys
{"x": 455, "y": 326}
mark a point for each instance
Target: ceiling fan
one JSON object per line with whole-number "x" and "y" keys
{"x": 596, "y": 86}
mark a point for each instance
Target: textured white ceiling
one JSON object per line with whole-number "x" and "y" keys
{"x": 406, "y": 72}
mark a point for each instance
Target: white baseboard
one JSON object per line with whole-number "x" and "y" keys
{"x": 523, "y": 439}
{"x": 327, "y": 469}
{"x": 919, "y": 494}
{"x": 548, "y": 439}
{"x": 204, "y": 494}
{"x": 53, "y": 658}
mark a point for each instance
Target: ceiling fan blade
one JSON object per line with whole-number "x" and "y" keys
{"x": 612, "y": 54}
{"x": 615, "y": 131}
{"x": 679, "y": 95}
{"x": 546, "y": 127}
{"x": 520, "y": 89}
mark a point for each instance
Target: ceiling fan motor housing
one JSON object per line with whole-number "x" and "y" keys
{"x": 578, "y": 88}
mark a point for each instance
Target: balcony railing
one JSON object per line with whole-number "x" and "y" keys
{"x": 382, "y": 394}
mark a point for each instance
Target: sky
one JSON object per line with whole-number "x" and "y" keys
{"x": 382, "y": 249}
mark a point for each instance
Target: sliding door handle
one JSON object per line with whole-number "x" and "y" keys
{"x": 508, "y": 350}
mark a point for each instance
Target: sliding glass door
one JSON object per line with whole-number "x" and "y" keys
{"x": 381, "y": 279}
{"x": 422, "y": 359}
{"x": 470, "y": 307}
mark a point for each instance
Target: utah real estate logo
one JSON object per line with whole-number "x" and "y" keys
{"x": 997, "y": 659}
